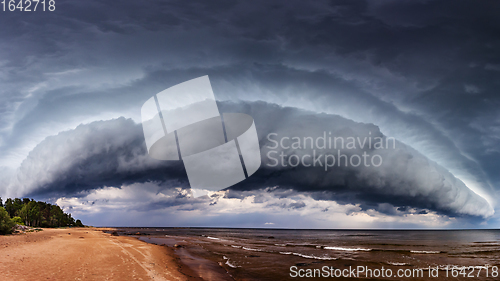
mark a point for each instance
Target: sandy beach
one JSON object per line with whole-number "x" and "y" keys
{"x": 211, "y": 254}
{"x": 86, "y": 254}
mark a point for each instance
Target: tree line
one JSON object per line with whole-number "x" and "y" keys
{"x": 33, "y": 213}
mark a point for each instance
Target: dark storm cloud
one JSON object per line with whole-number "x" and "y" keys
{"x": 432, "y": 45}
{"x": 103, "y": 153}
{"x": 405, "y": 178}
{"x": 276, "y": 83}
{"x": 425, "y": 72}
{"x": 112, "y": 153}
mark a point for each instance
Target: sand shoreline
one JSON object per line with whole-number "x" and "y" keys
{"x": 88, "y": 254}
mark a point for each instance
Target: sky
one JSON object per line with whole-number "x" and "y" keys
{"x": 423, "y": 73}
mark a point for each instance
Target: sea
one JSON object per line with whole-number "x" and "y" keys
{"x": 288, "y": 254}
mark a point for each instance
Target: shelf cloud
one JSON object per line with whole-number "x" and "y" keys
{"x": 113, "y": 153}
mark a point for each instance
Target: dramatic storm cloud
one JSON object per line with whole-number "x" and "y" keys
{"x": 423, "y": 72}
{"x": 112, "y": 153}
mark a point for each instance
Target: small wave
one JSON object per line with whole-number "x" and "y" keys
{"x": 314, "y": 257}
{"x": 397, "y": 263}
{"x": 425, "y": 252}
{"x": 229, "y": 263}
{"x": 280, "y": 245}
{"x": 308, "y": 256}
{"x": 250, "y": 249}
{"x": 219, "y": 239}
{"x": 235, "y": 246}
{"x": 347, "y": 249}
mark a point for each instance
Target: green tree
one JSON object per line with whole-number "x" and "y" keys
{"x": 9, "y": 206}
{"x": 38, "y": 214}
{"x": 6, "y": 224}
{"x": 13, "y": 206}
{"x": 18, "y": 220}
{"x": 30, "y": 214}
{"x": 34, "y": 213}
{"x": 79, "y": 223}
{"x": 1, "y": 204}
{"x": 23, "y": 214}
{"x": 18, "y": 205}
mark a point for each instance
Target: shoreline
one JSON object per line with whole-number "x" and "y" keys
{"x": 92, "y": 254}
{"x": 207, "y": 254}
{"x": 191, "y": 258}
{"x": 249, "y": 254}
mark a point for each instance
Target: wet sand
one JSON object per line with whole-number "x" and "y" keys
{"x": 87, "y": 254}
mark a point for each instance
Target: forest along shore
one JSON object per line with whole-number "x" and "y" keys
{"x": 86, "y": 254}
